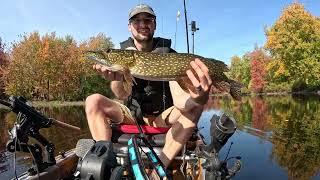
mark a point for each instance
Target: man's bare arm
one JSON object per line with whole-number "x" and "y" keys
{"x": 181, "y": 99}
{"x": 118, "y": 90}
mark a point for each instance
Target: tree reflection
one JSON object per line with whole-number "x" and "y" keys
{"x": 3, "y": 140}
{"x": 296, "y": 137}
{"x": 259, "y": 113}
{"x": 295, "y": 123}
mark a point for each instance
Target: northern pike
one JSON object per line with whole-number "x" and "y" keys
{"x": 164, "y": 67}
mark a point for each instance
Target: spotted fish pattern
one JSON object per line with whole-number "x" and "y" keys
{"x": 164, "y": 67}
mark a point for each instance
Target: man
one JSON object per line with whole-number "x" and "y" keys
{"x": 150, "y": 102}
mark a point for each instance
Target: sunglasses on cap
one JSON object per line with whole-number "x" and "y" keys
{"x": 136, "y": 21}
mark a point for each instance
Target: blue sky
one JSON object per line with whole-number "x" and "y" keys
{"x": 227, "y": 28}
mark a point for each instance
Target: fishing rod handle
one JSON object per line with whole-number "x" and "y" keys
{"x": 64, "y": 125}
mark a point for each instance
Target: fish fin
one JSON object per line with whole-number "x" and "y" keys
{"x": 128, "y": 79}
{"x": 133, "y": 80}
{"x": 222, "y": 86}
{"x": 117, "y": 68}
{"x": 219, "y": 64}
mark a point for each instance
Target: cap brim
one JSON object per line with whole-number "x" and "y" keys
{"x": 134, "y": 13}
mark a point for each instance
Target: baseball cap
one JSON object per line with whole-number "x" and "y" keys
{"x": 141, "y": 8}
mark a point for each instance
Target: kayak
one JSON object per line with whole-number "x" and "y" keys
{"x": 131, "y": 154}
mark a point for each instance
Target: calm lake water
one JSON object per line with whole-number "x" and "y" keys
{"x": 278, "y": 137}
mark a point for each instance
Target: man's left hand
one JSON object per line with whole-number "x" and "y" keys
{"x": 200, "y": 78}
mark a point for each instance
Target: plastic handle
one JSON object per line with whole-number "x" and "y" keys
{"x": 64, "y": 125}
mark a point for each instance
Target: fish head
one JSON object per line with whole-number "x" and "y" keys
{"x": 112, "y": 57}
{"x": 119, "y": 57}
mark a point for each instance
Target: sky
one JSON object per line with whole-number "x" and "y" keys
{"x": 226, "y": 28}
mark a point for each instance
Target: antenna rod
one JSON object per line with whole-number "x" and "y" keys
{"x": 186, "y": 20}
{"x": 193, "y": 29}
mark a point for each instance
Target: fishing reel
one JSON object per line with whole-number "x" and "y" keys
{"x": 28, "y": 123}
{"x": 222, "y": 128}
{"x": 97, "y": 160}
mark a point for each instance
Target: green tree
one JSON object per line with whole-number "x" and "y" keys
{"x": 91, "y": 82}
{"x": 240, "y": 69}
{"x": 294, "y": 43}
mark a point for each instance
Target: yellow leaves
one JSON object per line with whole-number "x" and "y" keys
{"x": 49, "y": 65}
{"x": 281, "y": 71}
{"x": 293, "y": 41}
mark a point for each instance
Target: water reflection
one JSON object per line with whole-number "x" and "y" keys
{"x": 294, "y": 123}
{"x": 277, "y": 136}
{"x": 63, "y": 139}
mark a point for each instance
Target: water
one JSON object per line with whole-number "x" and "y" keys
{"x": 278, "y": 137}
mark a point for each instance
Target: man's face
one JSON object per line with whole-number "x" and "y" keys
{"x": 142, "y": 27}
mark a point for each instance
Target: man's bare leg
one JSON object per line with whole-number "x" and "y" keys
{"x": 176, "y": 138}
{"x": 100, "y": 111}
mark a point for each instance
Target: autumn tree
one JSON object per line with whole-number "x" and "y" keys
{"x": 258, "y": 60}
{"x": 91, "y": 82}
{"x": 4, "y": 61}
{"x": 294, "y": 43}
{"x": 51, "y": 67}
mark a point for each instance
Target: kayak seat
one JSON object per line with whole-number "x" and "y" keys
{"x": 121, "y": 133}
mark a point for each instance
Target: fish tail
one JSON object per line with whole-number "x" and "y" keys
{"x": 222, "y": 86}
{"x": 235, "y": 89}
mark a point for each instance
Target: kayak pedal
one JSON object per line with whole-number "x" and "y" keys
{"x": 83, "y": 146}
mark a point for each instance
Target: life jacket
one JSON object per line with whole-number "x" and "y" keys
{"x": 149, "y": 97}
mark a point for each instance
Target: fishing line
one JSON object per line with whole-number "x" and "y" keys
{"x": 228, "y": 151}
{"x": 163, "y": 83}
{"x": 15, "y": 149}
{"x": 14, "y": 158}
{"x": 34, "y": 159}
{"x": 175, "y": 33}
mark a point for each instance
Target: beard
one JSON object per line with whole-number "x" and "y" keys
{"x": 143, "y": 36}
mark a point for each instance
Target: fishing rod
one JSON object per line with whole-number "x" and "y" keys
{"x": 28, "y": 123}
{"x": 136, "y": 160}
{"x": 193, "y": 29}
{"x": 186, "y": 23}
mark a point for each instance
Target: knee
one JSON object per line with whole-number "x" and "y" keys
{"x": 95, "y": 103}
{"x": 189, "y": 123}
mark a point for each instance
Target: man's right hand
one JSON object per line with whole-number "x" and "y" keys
{"x": 117, "y": 81}
{"x": 107, "y": 74}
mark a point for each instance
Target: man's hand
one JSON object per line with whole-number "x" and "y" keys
{"x": 107, "y": 74}
{"x": 191, "y": 104}
{"x": 117, "y": 81}
{"x": 201, "y": 81}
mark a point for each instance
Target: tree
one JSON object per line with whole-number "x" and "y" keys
{"x": 53, "y": 68}
{"x": 91, "y": 82}
{"x": 4, "y": 61}
{"x": 294, "y": 43}
{"x": 240, "y": 69}
{"x": 258, "y": 60}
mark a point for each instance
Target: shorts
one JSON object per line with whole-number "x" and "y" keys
{"x": 127, "y": 116}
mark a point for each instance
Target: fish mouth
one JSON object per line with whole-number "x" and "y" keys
{"x": 97, "y": 60}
